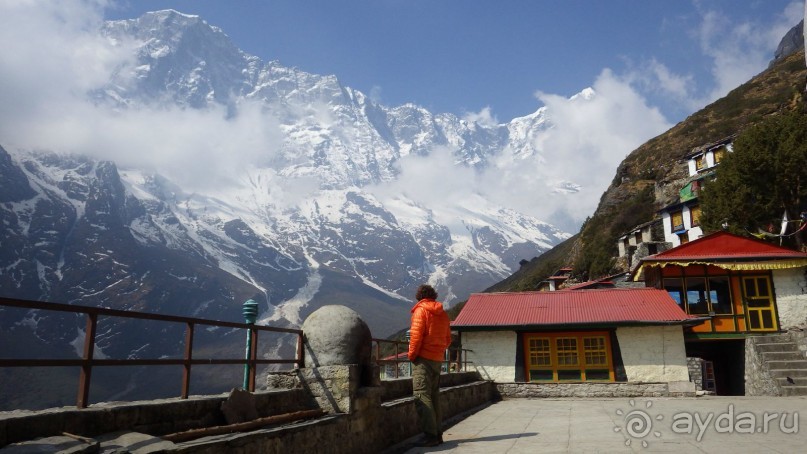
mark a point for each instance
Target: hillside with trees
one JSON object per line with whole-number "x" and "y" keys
{"x": 649, "y": 178}
{"x": 763, "y": 183}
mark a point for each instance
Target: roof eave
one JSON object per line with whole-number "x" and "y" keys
{"x": 576, "y": 325}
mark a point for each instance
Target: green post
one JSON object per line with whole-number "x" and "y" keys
{"x": 250, "y": 311}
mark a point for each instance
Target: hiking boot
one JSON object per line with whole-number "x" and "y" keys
{"x": 429, "y": 441}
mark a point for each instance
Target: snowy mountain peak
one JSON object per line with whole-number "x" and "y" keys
{"x": 278, "y": 185}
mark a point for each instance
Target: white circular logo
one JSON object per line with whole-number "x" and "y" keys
{"x": 638, "y": 424}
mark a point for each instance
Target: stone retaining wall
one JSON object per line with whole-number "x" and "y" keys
{"x": 156, "y": 417}
{"x": 589, "y": 390}
{"x": 695, "y": 367}
{"x": 360, "y": 419}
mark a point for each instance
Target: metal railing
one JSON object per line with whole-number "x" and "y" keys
{"x": 456, "y": 359}
{"x": 87, "y": 361}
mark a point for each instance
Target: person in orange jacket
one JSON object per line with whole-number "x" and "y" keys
{"x": 429, "y": 337}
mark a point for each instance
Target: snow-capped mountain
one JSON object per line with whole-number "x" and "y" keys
{"x": 315, "y": 219}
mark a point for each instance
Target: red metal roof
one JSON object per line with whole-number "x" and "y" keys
{"x": 576, "y": 307}
{"x": 590, "y": 285}
{"x": 725, "y": 246}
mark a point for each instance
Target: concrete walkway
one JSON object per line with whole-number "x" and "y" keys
{"x": 682, "y": 425}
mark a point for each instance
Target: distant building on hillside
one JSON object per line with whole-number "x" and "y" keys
{"x": 641, "y": 241}
{"x": 555, "y": 281}
{"x": 681, "y": 220}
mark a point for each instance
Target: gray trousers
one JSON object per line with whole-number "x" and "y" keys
{"x": 426, "y": 389}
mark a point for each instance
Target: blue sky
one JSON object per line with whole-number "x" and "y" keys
{"x": 462, "y": 56}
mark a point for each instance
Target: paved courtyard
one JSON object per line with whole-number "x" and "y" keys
{"x": 682, "y": 425}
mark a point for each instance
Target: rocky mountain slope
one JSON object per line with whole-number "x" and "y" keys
{"x": 649, "y": 178}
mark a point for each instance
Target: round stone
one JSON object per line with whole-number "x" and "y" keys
{"x": 336, "y": 335}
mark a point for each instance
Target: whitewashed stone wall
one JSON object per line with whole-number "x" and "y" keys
{"x": 692, "y": 232}
{"x": 653, "y": 353}
{"x": 493, "y": 354}
{"x": 791, "y": 296}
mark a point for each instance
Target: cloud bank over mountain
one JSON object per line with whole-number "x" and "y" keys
{"x": 58, "y": 57}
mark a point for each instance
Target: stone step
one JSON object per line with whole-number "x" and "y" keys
{"x": 793, "y": 390}
{"x": 777, "y": 347}
{"x": 783, "y": 356}
{"x": 787, "y": 364}
{"x": 792, "y": 373}
{"x": 797, "y": 381}
{"x": 773, "y": 338}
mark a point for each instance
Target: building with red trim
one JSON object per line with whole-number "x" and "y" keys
{"x": 703, "y": 303}
{"x": 742, "y": 287}
{"x": 733, "y": 281}
{"x": 604, "y": 335}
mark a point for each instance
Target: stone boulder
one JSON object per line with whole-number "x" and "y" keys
{"x": 335, "y": 336}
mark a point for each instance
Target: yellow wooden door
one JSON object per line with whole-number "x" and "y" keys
{"x": 759, "y": 306}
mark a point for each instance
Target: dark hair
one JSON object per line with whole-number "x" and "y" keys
{"x": 426, "y": 291}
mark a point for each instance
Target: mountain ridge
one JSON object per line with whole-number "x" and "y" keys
{"x": 311, "y": 219}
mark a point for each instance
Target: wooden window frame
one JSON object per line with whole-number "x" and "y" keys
{"x": 556, "y": 369}
{"x": 685, "y": 283}
{"x": 700, "y": 162}
{"x": 673, "y": 225}
{"x": 718, "y": 154}
{"x": 695, "y": 220}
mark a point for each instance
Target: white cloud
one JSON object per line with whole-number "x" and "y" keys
{"x": 741, "y": 50}
{"x": 59, "y": 57}
{"x": 484, "y": 117}
{"x": 51, "y": 53}
{"x": 726, "y": 52}
{"x": 590, "y": 137}
{"x": 653, "y": 77}
{"x": 375, "y": 94}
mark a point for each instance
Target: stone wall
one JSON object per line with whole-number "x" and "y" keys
{"x": 653, "y": 353}
{"x": 156, "y": 417}
{"x": 587, "y": 390}
{"x": 372, "y": 428}
{"x": 791, "y": 297}
{"x": 493, "y": 353}
{"x": 799, "y": 337}
{"x": 758, "y": 381}
{"x": 695, "y": 368}
{"x": 374, "y": 419}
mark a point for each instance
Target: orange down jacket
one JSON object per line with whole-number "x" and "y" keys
{"x": 430, "y": 332}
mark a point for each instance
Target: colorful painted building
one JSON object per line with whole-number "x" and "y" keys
{"x": 681, "y": 220}
{"x": 741, "y": 286}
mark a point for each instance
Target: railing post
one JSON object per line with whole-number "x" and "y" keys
{"x": 300, "y": 351}
{"x": 408, "y": 340}
{"x": 86, "y": 367}
{"x": 186, "y": 371}
{"x": 397, "y": 360}
{"x": 381, "y": 373}
{"x": 250, "y": 311}
{"x": 253, "y": 355}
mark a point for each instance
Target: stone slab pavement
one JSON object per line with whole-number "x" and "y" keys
{"x": 708, "y": 424}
